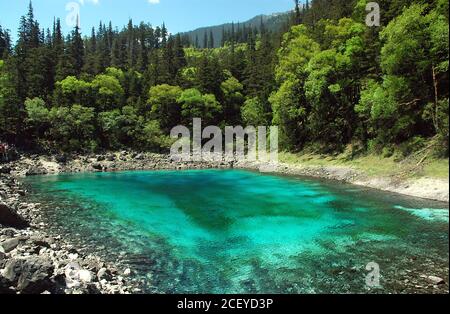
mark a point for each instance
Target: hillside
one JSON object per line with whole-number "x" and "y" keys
{"x": 273, "y": 22}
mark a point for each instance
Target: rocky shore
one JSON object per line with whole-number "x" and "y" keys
{"x": 33, "y": 261}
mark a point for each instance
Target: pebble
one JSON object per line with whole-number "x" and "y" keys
{"x": 436, "y": 280}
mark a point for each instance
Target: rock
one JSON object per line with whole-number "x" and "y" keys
{"x": 435, "y": 280}
{"x": 110, "y": 158}
{"x": 44, "y": 243}
{"x": 9, "y": 245}
{"x": 76, "y": 276}
{"x": 36, "y": 170}
{"x": 85, "y": 276}
{"x": 71, "y": 273}
{"x": 5, "y": 170}
{"x": 97, "y": 167}
{"x": 31, "y": 275}
{"x": 73, "y": 256}
{"x": 127, "y": 272}
{"x": 35, "y": 278}
{"x": 104, "y": 274}
{"x": 61, "y": 158}
{"x": 5, "y": 286}
{"x": 10, "y": 218}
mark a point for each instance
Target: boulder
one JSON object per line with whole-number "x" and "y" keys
{"x": 5, "y": 286}
{"x": 9, "y": 245}
{"x": 31, "y": 275}
{"x": 76, "y": 276}
{"x": 98, "y": 167}
{"x": 5, "y": 170}
{"x": 10, "y": 218}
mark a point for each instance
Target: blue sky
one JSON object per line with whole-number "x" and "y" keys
{"x": 179, "y": 15}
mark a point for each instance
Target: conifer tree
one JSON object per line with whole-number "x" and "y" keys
{"x": 76, "y": 50}
{"x": 211, "y": 40}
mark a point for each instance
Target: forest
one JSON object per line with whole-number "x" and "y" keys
{"x": 325, "y": 78}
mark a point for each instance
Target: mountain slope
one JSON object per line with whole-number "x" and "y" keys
{"x": 273, "y": 22}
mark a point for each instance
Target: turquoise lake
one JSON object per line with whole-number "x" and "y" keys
{"x": 233, "y": 231}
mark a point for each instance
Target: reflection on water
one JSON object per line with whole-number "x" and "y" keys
{"x": 231, "y": 231}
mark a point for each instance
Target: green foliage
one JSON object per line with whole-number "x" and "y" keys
{"x": 324, "y": 77}
{"x": 233, "y": 98}
{"x": 109, "y": 92}
{"x": 194, "y": 104}
{"x": 37, "y": 112}
{"x": 253, "y": 113}
{"x": 414, "y": 60}
{"x": 10, "y": 111}
{"x": 72, "y": 128}
{"x": 163, "y": 105}
{"x": 72, "y": 90}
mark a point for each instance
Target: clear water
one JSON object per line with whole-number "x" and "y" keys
{"x": 232, "y": 231}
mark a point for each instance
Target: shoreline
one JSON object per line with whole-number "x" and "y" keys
{"x": 34, "y": 260}
{"x": 436, "y": 189}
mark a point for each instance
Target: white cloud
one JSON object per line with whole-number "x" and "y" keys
{"x": 89, "y": 1}
{"x": 153, "y": 1}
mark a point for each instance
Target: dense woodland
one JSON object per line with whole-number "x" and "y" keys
{"x": 326, "y": 79}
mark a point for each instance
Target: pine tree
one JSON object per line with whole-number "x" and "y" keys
{"x": 164, "y": 34}
{"x": 76, "y": 50}
{"x": 224, "y": 37}
{"x": 297, "y": 13}
{"x": 142, "y": 59}
{"x": 5, "y": 43}
{"x": 211, "y": 40}
{"x": 115, "y": 54}
{"x": 91, "y": 65}
{"x": 32, "y": 31}
{"x": 205, "y": 40}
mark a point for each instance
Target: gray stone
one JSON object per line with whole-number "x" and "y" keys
{"x": 9, "y": 245}
{"x": 5, "y": 286}
{"x": 31, "y": 275}
{"x": 435, "y": 280}
{"x": 10, "y": 218}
